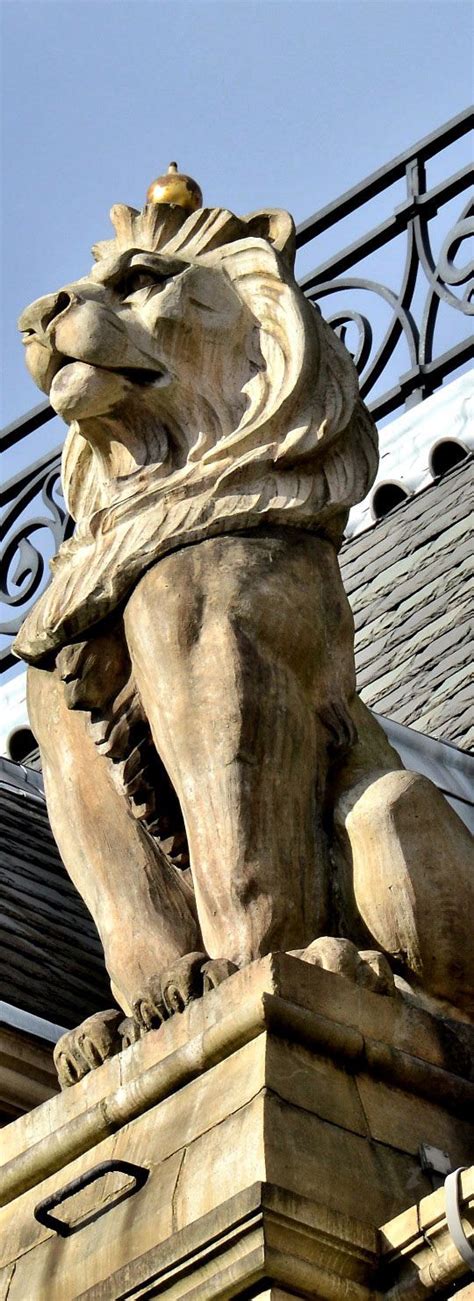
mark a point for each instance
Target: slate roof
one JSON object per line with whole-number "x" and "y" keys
{"x": 409, "y": 582}
{"x": 51, "y": 960}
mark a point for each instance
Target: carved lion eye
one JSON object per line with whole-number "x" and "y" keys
{"x": 138, "y": 279}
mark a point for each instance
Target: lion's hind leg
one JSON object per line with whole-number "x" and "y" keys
{"x": 408, "y": 864}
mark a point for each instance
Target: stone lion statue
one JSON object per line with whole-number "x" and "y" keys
{"x": 215, "y": 786}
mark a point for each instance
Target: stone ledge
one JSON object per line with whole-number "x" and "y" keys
{"x": 384, "y": 1037}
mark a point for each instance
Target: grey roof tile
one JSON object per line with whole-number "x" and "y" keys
{"x": 51, "y": 961}
{"x": 409, "y": 584}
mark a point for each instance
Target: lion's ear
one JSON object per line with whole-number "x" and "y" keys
{"x": 276, "y": 226}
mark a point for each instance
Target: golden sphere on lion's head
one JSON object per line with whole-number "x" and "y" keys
{"x": 175, "y": 187}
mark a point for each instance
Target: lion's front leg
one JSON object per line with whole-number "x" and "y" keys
{"x": 234, "y": 651}
{"x": 143, "y": 909}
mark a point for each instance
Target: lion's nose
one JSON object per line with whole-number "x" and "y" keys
{"x": 38, "y": 316}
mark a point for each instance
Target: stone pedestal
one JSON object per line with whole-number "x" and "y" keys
{"x": 274, "y": 1128}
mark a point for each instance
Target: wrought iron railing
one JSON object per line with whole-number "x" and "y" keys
{"x": 427, "y": 283}
{"x": 34, "y": 521}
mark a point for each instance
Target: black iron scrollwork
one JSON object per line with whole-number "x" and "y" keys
{"x": 416, "y": 326}
{"x": 444, "y": 276}
{"x": 35, "y": 521}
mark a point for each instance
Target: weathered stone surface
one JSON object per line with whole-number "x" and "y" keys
{"x": 314, "y": 1008}
{"x": 205, "y": 395}
{"x": 268, "y": 1157}
{"x": 404, "y": 847}
{"x": 242, "y": 681}
{"x": 193, "y": 684}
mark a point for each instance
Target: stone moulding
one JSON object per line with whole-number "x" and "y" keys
{"x": 256, "y": 1233}
{"x": 407, "y": 1260}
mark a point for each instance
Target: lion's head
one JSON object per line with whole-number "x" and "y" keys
{"x": 189, "y": 342}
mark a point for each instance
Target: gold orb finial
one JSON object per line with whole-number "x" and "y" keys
{"x": 175, "y": 187}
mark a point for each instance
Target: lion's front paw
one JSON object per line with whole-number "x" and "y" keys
{"x": 365, "y": 967}
{"x": 190, "y": 977}
{"x": 92, "y": 1043}
{"x": 130, "y": 1031}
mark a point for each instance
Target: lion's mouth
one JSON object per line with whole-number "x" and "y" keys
{"x": 135, "y": 374}
{"x": 53, "y": 369}
{"x": 82, "y": 390}
{"x": 143, "y": 377}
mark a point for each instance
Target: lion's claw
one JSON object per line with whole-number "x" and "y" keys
{"x": 183, "y": 983}
{"x": 106, "y": 1033}
{"x": 214, "y": 971}
{"x": 376, "y": 973}
{"x": 149, "y": 1008}
{"x": 188, "y": 979}
{"x": 81, "y": 1050}
{"x": 130, "y": 1031}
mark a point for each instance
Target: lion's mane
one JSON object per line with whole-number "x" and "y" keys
{"x": 303, "y": 451}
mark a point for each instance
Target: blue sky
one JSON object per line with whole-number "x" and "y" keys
{"x": 265, "y": 102}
